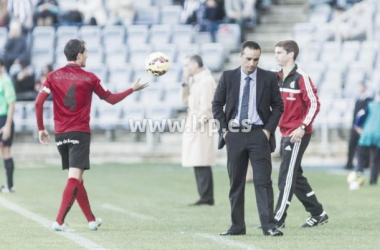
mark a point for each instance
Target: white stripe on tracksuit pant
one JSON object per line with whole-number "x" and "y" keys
{"x": 291, "y": 179}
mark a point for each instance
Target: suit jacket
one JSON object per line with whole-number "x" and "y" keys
{"x": 269, "y": 104}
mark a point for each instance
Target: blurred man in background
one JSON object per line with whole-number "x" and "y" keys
{"x": 198, "y": 149}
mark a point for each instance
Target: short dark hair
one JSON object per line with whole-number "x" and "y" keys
{"x": 250, "y": 44}
{"x": 197, "y": 59}
{"x": 289, "y": 46}
{"x": 73, "y": 48}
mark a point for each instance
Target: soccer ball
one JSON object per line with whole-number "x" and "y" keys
{"x": 157, "y": 64}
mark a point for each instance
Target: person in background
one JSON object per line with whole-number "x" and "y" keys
{"x": 361, "y": 103}
{"x": 24, "y": 81}
{"x": 93, "y": 12}
{"x": 367, "y": 125}
{"x": 121, "y": 12}
{"x": 7, "y": 107}
{"x": 46, "y": 13}
{"x": 198, "y": 149}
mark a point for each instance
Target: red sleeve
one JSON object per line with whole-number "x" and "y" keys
{"x": 39, "y": 108}
{"x": 99, "y": 88}
{"x": 309, "y": 95}
{"x": 115, "y": 98}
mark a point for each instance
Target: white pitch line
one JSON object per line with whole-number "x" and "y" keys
{"x": 223, "y": 241}
{"x": 129, "y": 213}
{"x": 83, "y": 242}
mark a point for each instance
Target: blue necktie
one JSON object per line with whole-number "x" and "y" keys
{"x": 245, "y": 101}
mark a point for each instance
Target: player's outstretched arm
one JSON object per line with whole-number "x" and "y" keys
{"x": 115, "y": 98}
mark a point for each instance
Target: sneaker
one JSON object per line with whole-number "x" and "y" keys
{"x": 95, "y": 224}
{"x": 313, "y": 221}
{"x": 6, "y": 190}
{"x": 61, "y": 228}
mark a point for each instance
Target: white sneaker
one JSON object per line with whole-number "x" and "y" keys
{"x": 95, "y": 224}
{"x": 6, "y": 190}
{"x": 61, "y": 228}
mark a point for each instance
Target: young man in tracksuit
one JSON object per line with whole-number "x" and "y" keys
{"x": 301, "y": 106}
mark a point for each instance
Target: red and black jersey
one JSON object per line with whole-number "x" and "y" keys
{"x": 72, "y": 89}
{"x": 301, "y": 104}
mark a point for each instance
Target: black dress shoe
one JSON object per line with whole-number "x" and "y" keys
{"x": 200, "y": 202}
{"x": 230, "y": 232}
{"x": 273, "y": 232}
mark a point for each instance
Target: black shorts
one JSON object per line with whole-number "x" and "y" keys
{"x": 74, "y": 148}
{"x": 7, "y": 143}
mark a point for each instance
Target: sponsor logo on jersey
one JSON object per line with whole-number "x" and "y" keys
{"x": 292, "y": 84}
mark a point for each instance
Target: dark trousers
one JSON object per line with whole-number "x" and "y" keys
{"x": 291, "y": 179}
{"x": 352, "y": 144}
{"x": 205, "y": 185}
{"x": 364, "y": 156}
{"x": 253, "y": 146}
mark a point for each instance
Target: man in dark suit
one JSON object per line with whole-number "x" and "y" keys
{"x": 253, "y": 107}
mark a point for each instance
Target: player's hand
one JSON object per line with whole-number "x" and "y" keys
{"x": 266, "y": 132}
{"x": 43, "y": 136}
{"x": 6, "y": 131}
{"x": 297, "y": 135}
{"x": 138, "y": 86}
{"x": 358, "y": 130}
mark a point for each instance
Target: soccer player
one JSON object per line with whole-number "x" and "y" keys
{"x": 7, "y": 107}
{"x": 301, "y": 105}
{"x": 72, "y": 89}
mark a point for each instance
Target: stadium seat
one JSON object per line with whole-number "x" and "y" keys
{"x": 137, "y": 34}
{"x": 310, "y": 52}
{"x": 116, "y": 55}
{"x": 202, "y": 37}
{"x": 143, "y": 3}
{"x": 172, "y": 97}
{"x": 109, "y": 116}
{"x": 90, "y": 34}
{"x": 368, "y": 54}
{"x": 140, "y": 72}
{"x": 19, "y": 116}
{"x": 95, "y": 54}
{"x": 120, "y": 75}
{"x": 147, "y": 15}
{"x": 159, "y": 113}
{"x": 182, "y": 34}
{"x": 170, "y": 14}
{"x": 160, "y": 34}
{"x": 315, "y": 70}
{"x": 3, "y": 37}
{"x": 213, "y": 56}
{"x": 99, "y": 70}
{"x": 350, "y": 50}
{"x": 67, "y": 5}
{"x": 151, "y": 96}
{"x": 43, "y": 36}
{"x": 41, "y": 57}
{"x": 302, "y": 31}
{"x": 65, "y": 33}
{"x": 330, "y": 52}
{"x": 138, "y": 53}
{"x": 163, "y": 3}
{"x": 229, "y": 36}
{"x": 113, "y": 35}
{"x": 131, "y": 114}
{"x": 186, "y": 50}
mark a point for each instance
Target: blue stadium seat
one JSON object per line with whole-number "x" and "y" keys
{"x": 42, "y": 56}
{"x": 172, "y": 76}
{"x": 302, "y": 31}
{"x": 43, "y": 36}
{"x": 120, "y": 75}
{"x": 65, "y": 33}
{"x": 350, "y": 50}
{"x": 95, "y": 54}
{"x": 170, "y": 14}
{"x": 229, "y": 36}
{"x": 172, "y": 97}
{"x": 330, "y": 52}
{"x": 140, "y": 72}
{"x": 182, "y": 34}
{"x": 113, "y": 35}
{"x": 213, "y": 56}
{"x": 151, "y": 96}
{"x": 310, "y": 52}
{"x": 100, "y": 71}
{"x": 147, "y": 15}
{"x": 137, "y": 34}
{"x": 90, "y": 34}
{"x": 116, "y": 55}
{"x": 163, "y": 3}
{"x": 202, "y": 37}
{"x": 143, "y": 3}
{"x": 160, "y": 34}
{"x": 138, "y": 53}
{"x": 170, "y": 50}
{"x": 3, "y": 37}
{"x": 109, "y": 116}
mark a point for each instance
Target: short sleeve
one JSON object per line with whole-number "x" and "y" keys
{"x": 10, "y": 94}
{"x": 99, "y": 88}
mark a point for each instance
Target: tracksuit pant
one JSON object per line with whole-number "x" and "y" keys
{"x": 291, "y": 180}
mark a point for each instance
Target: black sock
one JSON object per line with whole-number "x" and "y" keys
{"x": 9, "y": 168}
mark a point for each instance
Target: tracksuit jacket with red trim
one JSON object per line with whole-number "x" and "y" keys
{"x": 301, "y": 104}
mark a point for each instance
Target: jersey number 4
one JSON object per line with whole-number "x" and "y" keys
{"x": 69, "y": 100}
